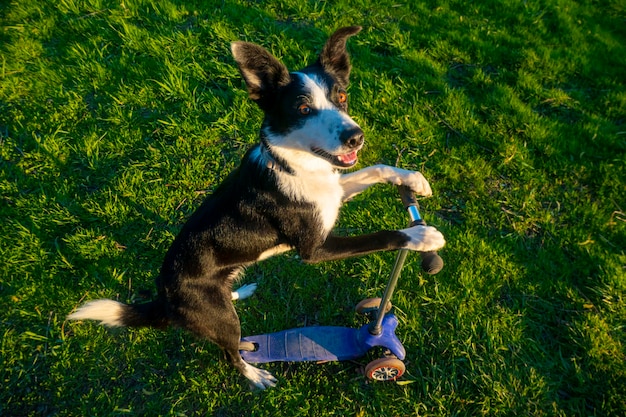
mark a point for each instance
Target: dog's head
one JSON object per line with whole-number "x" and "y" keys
{"x": 306, "y": 112}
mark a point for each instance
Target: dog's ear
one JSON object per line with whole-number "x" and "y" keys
{"x": 334, "y": 57}
{"x": 262, "y": 72}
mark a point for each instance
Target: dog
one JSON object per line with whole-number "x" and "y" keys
{"x": 285, "y": 195}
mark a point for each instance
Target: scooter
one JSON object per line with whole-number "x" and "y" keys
{"x": 333, "y": 343}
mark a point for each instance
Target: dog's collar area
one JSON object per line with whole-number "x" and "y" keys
{"x": 273, "y": 162}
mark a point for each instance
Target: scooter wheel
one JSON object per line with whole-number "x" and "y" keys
{"x": 247, "y": 346}
{"x": 370, "y": 305}
{"x": 385, "y": 369}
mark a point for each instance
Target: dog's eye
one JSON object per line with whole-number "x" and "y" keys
{"x": 304, "y": 109}
{"x": 342, "y": 97}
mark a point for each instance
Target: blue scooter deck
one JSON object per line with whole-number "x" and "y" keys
{"x": 322, "y": 343}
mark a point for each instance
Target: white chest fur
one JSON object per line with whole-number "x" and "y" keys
{"x": 321, "y": 189}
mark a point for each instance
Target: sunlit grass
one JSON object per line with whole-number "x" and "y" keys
{"x": 116, "y": 119}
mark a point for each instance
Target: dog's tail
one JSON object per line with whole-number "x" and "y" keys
{"x": 115, "y": 314}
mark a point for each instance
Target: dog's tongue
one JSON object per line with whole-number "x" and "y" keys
{"x": 348, "y": 159}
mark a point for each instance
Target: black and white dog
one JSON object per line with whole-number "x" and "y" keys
{"x": 285, "y": 195}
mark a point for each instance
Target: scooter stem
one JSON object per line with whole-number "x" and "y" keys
{"x": 431, "y": 262}
{"x": 376, "y": 327}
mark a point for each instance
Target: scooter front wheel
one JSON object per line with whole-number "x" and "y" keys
{"x": 370, "y": 305}
{"x": 385, "y": 369}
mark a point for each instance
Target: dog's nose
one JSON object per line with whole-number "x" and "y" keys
{"x": 352, "y": 138}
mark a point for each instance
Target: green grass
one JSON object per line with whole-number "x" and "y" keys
{"x": 117, "y": 117}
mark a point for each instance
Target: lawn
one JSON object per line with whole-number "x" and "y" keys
{"x": 118, "y": 117}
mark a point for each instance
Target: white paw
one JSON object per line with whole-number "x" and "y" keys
{"x": 259, "y": 378}
{"x": 412, "y": 179}
{"x": 424, "y": 238}
{"x": 244, "y": 291}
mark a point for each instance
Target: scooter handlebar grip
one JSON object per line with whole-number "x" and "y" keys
{"x": 431, "y": 261}
{"x": 407, "y": 196}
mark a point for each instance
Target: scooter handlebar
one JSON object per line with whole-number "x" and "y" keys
{"x": 431, "y": 261}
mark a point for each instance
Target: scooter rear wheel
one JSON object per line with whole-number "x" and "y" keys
{"x": 385, "y": 369}
{"x": 247, "y": 346}
{"x": 370, "y": 305}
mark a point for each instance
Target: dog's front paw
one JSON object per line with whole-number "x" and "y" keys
{"x": 412, "y": 179}
{"x": 424, "y": 238}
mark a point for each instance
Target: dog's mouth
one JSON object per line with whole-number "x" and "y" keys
{"x": 345, "y": 160}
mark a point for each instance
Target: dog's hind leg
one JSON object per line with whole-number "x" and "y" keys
{"x": 258, "y": 378}
{"x": 215, "y": 319}
{"x": 229, "y": 341}
{"x": 244, "y": 291}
